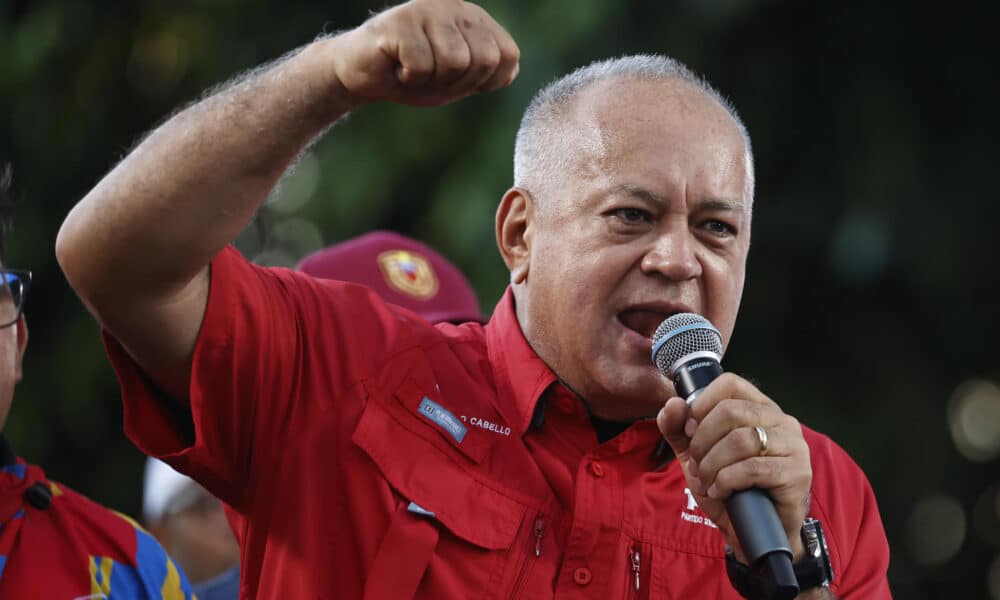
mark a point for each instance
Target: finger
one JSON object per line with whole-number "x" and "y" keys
{"x": 727, "y": 385}
{"x": 744, "y": 443}
{"x": 726, "y": 416}
{"x": 503, "y": 75}
{"x": 671, "y": 421}
{"x": 485, "y": 54}
{"x": 415, "y": 57}
{"x": 510, "y": 55}
{"x": 772, "y": 473}
{"x": 452, "y": 55}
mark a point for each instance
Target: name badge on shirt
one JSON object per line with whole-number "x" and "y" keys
{"x": 443, "y": 418}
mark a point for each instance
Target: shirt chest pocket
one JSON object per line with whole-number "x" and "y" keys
{"x": 452, "y": 532}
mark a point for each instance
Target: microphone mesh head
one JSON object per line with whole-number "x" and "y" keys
{"x": 683, "y": 334}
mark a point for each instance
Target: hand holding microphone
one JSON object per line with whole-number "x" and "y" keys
{"x": 745, "y": 461}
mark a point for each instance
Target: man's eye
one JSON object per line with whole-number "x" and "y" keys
{"x": 632, "y": 215}
{"x": 719, "y": 227}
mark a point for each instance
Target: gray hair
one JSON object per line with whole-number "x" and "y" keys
{"x": 539, "y": 156}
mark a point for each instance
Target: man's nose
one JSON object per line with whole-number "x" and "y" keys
{"x": 673, "y": 255}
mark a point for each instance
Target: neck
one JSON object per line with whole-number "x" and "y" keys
{"x": 607, "y": 430}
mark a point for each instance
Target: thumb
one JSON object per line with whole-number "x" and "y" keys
{"x": 671, "y": 421}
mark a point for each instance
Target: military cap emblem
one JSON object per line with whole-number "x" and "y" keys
{"x": 409, "y": 273}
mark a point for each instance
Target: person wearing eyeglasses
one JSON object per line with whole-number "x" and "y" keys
{"x": 54, "y": 543}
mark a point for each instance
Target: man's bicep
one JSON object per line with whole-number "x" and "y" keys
{"x": 201, "y": 375}
{"x": 160, "y": 334}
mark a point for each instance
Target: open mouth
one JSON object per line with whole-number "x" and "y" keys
{"x": 643, "y": 321}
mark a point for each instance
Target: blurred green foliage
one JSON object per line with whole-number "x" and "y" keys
{"x": 870, "y": 295}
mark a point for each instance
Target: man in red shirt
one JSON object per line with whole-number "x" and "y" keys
{"x": 184, "y": 517}
{"x": 54, "y": 543}
{"x": 367, "y": 453}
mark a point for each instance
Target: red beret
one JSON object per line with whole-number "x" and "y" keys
{"x": 402, "y": 271}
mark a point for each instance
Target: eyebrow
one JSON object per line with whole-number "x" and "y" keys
{"x": 639, "y": 193}
{"x": 716, "y": 204}
{"x": 724, "y": 205}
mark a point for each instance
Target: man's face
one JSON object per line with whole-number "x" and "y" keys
{"x": 654, "y": 221}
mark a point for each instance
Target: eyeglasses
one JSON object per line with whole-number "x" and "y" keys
{"x": 13, "y": 290}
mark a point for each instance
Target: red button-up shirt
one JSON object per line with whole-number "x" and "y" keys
{"x": 367, "y": 453}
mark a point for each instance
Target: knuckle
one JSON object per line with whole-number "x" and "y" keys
{"x": 382, "y": 42}
{"x": 419, "y": 68}
{"x": 730, "y": 409}
{"x": 511, "y": 51}
{"x": 725, "y": 478}
{"x": 708, "y": 466}
{"x": 727, "y": 380}
{"x": 484, "y": 69}
{"x": 453, "y": 62}
{"x": 755, "y": 412}
{"x": 757, "y": 468}
{"x": 452, "y": 37}
{"x": 491, "y": 58}
{"x": 697, "y": 451}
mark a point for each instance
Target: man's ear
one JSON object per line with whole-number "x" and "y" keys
{"x": 515, "y": 217}
{"x": 22, "y": 345}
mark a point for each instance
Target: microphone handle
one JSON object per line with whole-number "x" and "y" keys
{"x": 751, "y": 511}
{"x": 759, "y": 530}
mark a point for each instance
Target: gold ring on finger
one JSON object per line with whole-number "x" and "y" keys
{"x": 762, "y": 437}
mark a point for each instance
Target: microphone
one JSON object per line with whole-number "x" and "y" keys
{"x": 687, "y": 349}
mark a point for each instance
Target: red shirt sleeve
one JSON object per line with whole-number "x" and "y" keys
{"x": 268, "y": 338}
{"x": 844, "y": 502}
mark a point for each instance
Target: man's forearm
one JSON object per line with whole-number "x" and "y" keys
{"x": 185, "y": 192}
{"x": 137, "y": 248}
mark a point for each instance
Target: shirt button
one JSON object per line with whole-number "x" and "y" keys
{"x": 582, "y": 576}
{"x": 596, "y": 469}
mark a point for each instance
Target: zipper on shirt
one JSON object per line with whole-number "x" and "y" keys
{"x": 635, "y": 560}
{"x": 539, "y": 532}
{"x": 522, "y": 575}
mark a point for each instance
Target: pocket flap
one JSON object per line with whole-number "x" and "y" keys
{"x": 434, "y": 414}
{"x": 437, "y": 479}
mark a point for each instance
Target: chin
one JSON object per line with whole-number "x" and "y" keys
{"x": 637, "y": 398}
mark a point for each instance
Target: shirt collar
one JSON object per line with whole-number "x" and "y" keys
{"x": 521, "y": 376}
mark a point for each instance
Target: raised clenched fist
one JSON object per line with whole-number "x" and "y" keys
{"x": 424, "y": 53}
